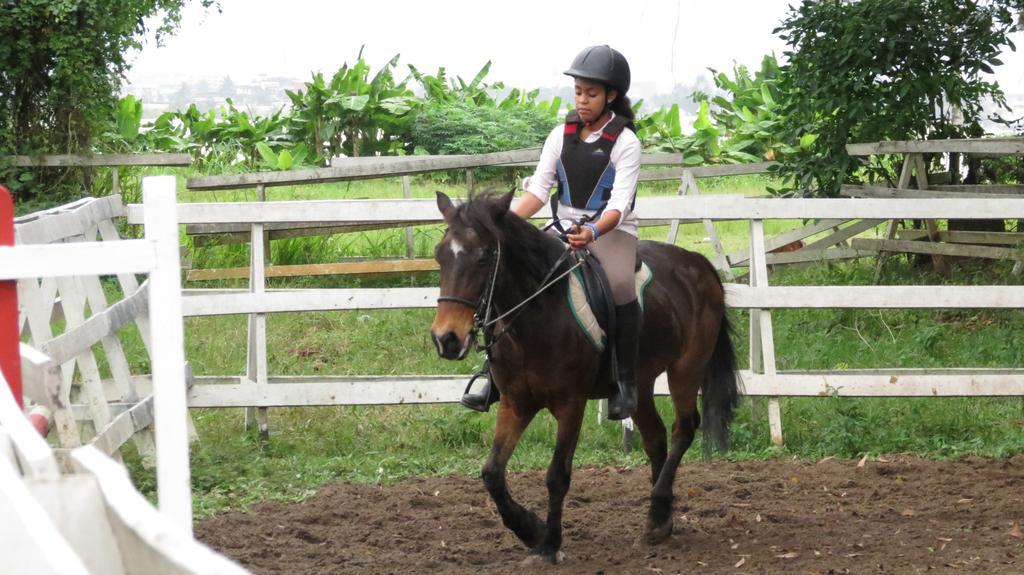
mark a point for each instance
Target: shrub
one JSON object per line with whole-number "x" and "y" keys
{"x": 464, "y": 128}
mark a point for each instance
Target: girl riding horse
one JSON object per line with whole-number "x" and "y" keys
{"x": 595, "y": 161}
{"x": 501, "y": 274}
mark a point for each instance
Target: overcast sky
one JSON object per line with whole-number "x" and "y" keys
{"x": 530, "y": 42}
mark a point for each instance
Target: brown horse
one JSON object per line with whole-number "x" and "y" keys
{"x": 491, "y": 257}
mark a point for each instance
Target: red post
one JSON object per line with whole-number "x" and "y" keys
{"x": 10, "y": 358}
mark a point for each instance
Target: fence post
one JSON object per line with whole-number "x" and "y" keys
{"x": 170, "y": 404}
{"x": 939, "y": 263}
{"x": 256, "y": 347}
{"x": 10, "y": 359}
{"x": 762, "y": 338}
{"x": 410, "y": 242}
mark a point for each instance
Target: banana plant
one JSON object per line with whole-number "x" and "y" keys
{"x": 439, "y": 88}
{"x": 282, "y": 160}
{"x": 123, "y": 132}
{"x": 662, "y": 131}
{"x": 748, "y": 112}
{"x": 353, "y": 114}
{"x": 129, "y": 117}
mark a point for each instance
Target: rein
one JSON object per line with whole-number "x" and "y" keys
{"x": 545, "y": 284}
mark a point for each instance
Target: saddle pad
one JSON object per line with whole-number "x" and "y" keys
{"x": 580, "y": 306}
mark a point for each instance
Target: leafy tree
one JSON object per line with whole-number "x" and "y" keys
{"x": 884, "y": 69}
{"x": 61, "y": 66}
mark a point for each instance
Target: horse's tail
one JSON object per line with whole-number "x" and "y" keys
{"x": 720, "y": 391}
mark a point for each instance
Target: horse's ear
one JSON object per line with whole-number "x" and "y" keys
{"x": 505, "y": 203}
{"x": 444, "y": 203}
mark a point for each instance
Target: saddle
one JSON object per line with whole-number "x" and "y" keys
{"x": 590, "y": 298}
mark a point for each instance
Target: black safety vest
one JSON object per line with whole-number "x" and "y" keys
{"x": 585, "y": 172}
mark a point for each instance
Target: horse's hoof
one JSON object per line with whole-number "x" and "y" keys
{"x": 537, "y": 559}
{"x": 659, "y": 534}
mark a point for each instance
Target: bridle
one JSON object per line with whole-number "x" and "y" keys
{"x": 486, "y": 301}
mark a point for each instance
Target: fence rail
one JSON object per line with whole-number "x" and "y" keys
{"x": 404, "y": 166}
{"x": 667, "y": 167}
{"x": 1002, "y": 146}
{"x": 917, "y": 157}
{"x": 668, "y": 207}
{"x": 97, "y": 160}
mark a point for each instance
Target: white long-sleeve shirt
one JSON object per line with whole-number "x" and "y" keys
{"x": 625, "y": 156}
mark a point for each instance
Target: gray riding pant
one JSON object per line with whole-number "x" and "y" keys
{"x": 616, "y": 250}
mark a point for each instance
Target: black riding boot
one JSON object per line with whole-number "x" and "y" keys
{"x": 481, "y": 401}
{"x": 622, "y": 402}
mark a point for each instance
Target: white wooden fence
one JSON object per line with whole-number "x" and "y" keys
{"x": 763, "y": 377}
{"x": 56, "y": 256}
{"x": 258, "y": 388}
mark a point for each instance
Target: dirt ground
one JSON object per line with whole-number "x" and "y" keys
{"x": 898, "y": 514}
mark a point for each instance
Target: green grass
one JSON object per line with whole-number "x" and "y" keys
{"x": 312, "y": 446}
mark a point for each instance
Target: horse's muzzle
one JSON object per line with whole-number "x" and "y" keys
{"x": 449, "y": 346}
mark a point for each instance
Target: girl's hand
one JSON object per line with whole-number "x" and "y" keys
{"x": 579, "y": 237}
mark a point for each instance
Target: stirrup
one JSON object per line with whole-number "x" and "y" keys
{"x": 482, "y": 400}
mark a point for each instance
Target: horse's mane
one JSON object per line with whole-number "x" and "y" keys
{"x": 525, "y": 248}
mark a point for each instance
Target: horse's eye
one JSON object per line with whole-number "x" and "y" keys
{"x": 484, "y": 258}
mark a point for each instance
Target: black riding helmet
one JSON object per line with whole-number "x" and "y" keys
{"x": 604, "y": 64}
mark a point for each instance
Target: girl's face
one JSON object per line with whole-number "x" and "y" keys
{"x": 592, "y": 98}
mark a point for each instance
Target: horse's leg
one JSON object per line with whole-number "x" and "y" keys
{"x": 683, "y": 384}
{"x": 524, "y": 523}
{"x": 570, "y": 418}
{"x": 652, "y": 429}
